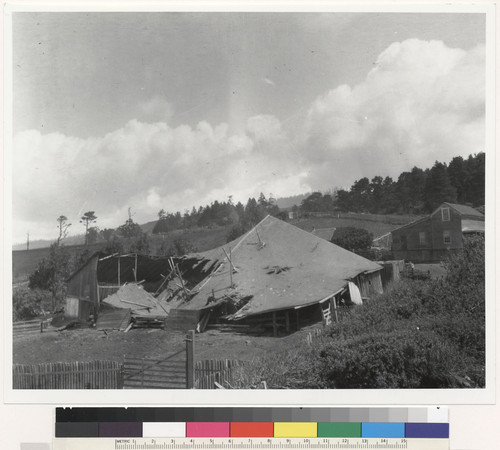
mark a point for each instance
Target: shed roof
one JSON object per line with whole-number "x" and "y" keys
{"x": 279, "y": 266}
{"x": 472, "y": 226}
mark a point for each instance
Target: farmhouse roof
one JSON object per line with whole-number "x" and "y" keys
{"x": 402, "y": 227}
{"x": 464, "y": 210}
{"x": 278, "y": 266}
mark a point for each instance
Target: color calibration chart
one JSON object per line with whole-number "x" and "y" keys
{"x": 206, "y": 428}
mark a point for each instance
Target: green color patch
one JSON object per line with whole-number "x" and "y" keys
{"x": 339, "y": 429}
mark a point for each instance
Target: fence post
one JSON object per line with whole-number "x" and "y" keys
{"x": 190, "y": 359}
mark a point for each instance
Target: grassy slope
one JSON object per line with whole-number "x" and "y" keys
{"x": 375, "y": 223}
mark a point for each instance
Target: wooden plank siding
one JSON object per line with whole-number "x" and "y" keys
{"x": 69, "y": 375}
{"x": 83, "y": 286}
{"x": 182, "y": 319}
{"x": 369, "y": 284}
{"x": 117, "y": 319}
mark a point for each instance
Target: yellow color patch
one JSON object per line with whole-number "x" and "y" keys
{"x": 295, "y": 429}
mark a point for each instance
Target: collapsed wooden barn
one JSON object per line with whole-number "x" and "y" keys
{"x": 279, "y": 277}
{"x": 276, "y": 278}
{"x": 146, "y": 286}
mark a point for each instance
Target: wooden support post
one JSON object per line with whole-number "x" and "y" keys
{"x": 231, "y": 268}
{"x": 334, "y": 304}
{"x": 297, "y": 317}
{"x": 275, "y": 325}
{"x": 135, "y": 268}
{"x": 176, "y": 270}
{"x": 258, "y": 237}
{"x": 190, "y": 359}
{"x": 287, "y": 321}
{"x": 41, "y": 326}
{"x": 119, "y": 284}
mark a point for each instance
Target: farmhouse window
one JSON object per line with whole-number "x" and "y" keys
{"x": 422, "y": 238}
{"x": 445, "y": 214}
{"x": 446, "y": 237}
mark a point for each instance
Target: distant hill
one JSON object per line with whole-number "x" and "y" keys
{"x": 148, "y": 227}
{"x": 45, "y": 243}
{"x": 288, "y": 202}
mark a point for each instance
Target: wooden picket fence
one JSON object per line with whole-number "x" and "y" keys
{"x": 29, "y": 327}
{"x": 146, "y": 373}
{"x": 175, "y": 371}
{"x": 209, "y": 372}
{"x": 70, "y": 375}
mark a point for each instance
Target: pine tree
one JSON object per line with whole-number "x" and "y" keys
{"x": 438, "y": 188}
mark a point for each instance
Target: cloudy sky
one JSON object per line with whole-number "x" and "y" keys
{"x": 174, "y": 110}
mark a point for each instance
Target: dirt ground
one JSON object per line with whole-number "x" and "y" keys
{"x": 89, "y": 345}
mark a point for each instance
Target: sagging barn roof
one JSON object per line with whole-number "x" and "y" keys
{"x": 277, "y": 266}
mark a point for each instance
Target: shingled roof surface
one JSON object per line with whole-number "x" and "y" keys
{"x": 465, "y": 210}
{"x": 279, "y": 266}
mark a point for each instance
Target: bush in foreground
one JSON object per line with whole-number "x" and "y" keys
{"x": 30, "y": 303}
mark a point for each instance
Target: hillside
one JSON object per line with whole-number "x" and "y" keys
{"x": 78, "y": 239}
{"x": 377, "y": 224}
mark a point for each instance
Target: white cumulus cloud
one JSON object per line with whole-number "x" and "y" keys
{"x": 147, "y": 166}
{"x": 421, "y": 102}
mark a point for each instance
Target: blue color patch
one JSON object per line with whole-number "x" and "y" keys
{"x": 382, "y": 430}
{"x": 428, "y": 430}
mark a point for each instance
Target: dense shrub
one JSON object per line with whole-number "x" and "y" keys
{"x": 352, "y": 238}
{"x": 179, "y": 247}
{"x": 51, "y": 273}
{"x": 408, "y": 358}
{"x": 29, "y": 303}
{"x": 236, "y": 231}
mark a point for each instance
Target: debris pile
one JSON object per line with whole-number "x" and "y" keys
{"x": 135, "y": 298}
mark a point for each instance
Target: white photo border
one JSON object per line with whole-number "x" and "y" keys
{"x": 257, "y": 397}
